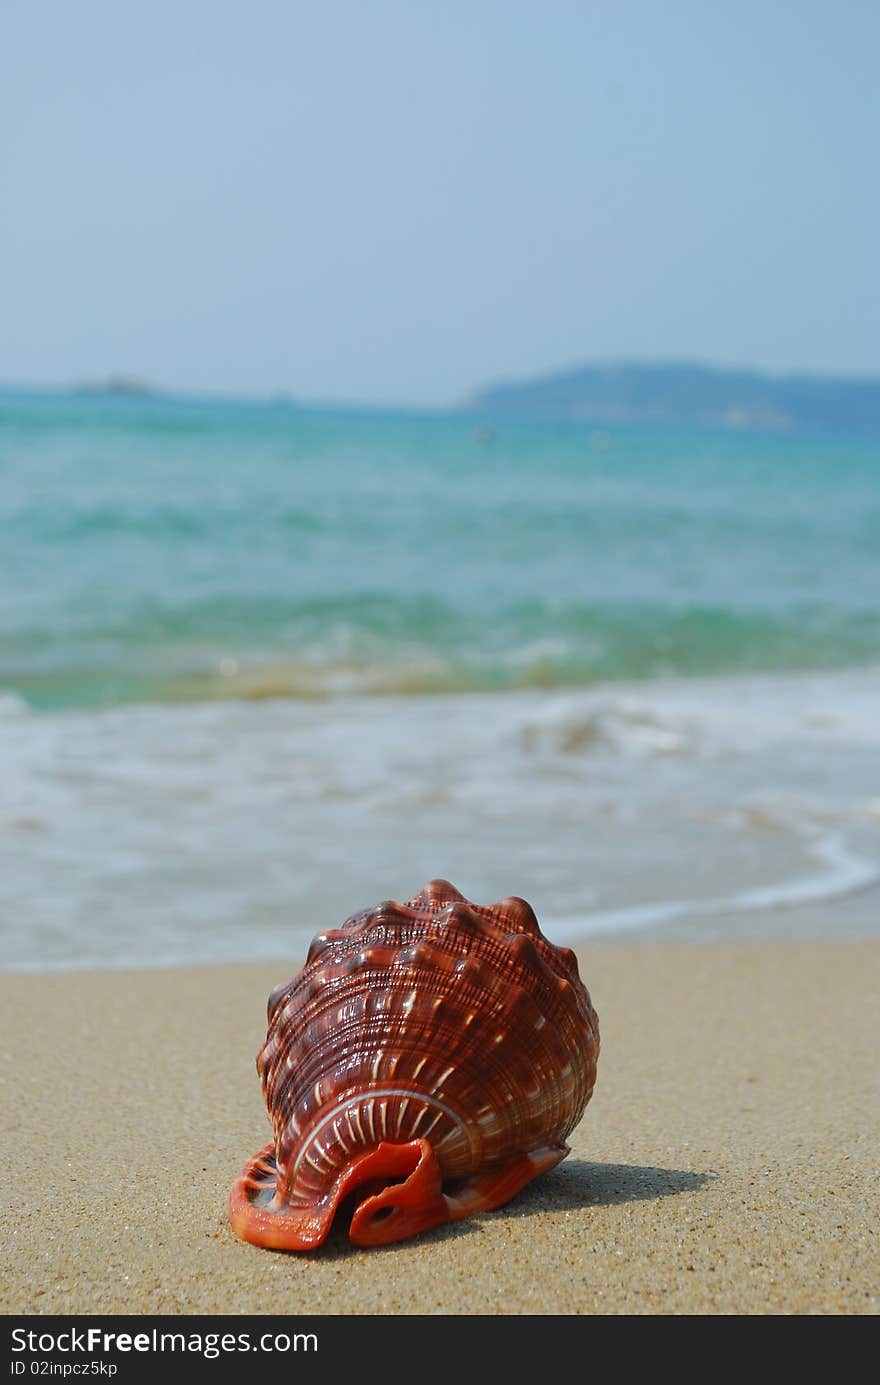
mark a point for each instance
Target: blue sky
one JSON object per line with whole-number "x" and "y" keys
{"x": 399, "y": 202}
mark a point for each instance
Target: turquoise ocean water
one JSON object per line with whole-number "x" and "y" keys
{"x": 451, "y": 633}
{"x": 159, "y": 551}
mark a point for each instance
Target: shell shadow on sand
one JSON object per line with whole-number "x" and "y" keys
{"x": 580, "y": 1183}
{"x": 573, "y": 1185}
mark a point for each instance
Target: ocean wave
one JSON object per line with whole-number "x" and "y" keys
{"x": 845, "y": 873}
{"x": 621, "y": 724}
{"x": 221, "y": 649}
{"x": 12, "y": 706}
{"x": 212, "y": 830}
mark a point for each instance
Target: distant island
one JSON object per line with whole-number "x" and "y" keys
{"x": 116, "y": 385}
{"x": 688, "y": 394}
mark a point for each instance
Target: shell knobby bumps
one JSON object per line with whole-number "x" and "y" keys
{"x": 430, "y": 1058}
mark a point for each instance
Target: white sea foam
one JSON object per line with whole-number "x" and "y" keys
{"x": 705, "y": 715}
{"x": 845, "y": 874}
{"x": 12, "y": 706}
{"x": 232, "y": 831}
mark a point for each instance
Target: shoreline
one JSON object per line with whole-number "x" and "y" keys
{"x": 739, "y": 798}
{"x": 725, "y": 1164}
{"x": 856, "y": 913}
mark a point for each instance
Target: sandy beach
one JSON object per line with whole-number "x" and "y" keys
{"x": 727, "y": 1162}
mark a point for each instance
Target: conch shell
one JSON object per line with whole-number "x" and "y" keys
{"x": 431, "y": 1058}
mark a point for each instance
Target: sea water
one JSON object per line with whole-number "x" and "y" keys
{"x": 261, "y": 666}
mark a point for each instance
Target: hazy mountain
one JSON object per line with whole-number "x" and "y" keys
{"x": 684, "y": 393}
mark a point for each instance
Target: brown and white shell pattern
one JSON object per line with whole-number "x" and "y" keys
{"x": 431, "y": 1057}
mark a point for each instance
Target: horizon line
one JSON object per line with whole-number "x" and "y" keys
{"x": 124, "y": 386}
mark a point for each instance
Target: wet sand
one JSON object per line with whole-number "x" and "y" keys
{"x": 726, "y": 1164}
